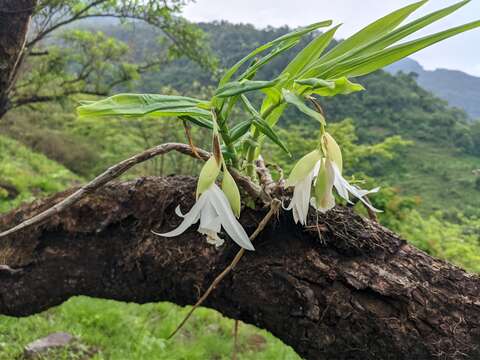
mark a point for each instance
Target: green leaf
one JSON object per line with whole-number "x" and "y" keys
{"x": 315, "y": 83}
{"x": 138, "y": 105}
{"x": 265, "y": 129}
{"x": 282, "y": 39}
{"x": 202, "y": 122}
{"x": 310, "y": 53}
{"x": 240, "y": 87}
{"x": 262, "y": 125}
{"x": 325, "y": 64}
{"x": 250, "y": 72}
{"x": 408, "y": 29}
{"x": 333, "y": 87}
{"x": 230, "y": 189}
{"x": 367, "y": 64}
{"x": 240, "y": 129}
{"x": 373, "y": 31}
{"x": 299, "y": 103}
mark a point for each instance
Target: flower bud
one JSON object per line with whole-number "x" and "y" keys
{"x": 333, "y": 151}
{"x": 231, "y": 191}
{"x": 208, "y": 175}
{"x": 324, "y": 199}
{"x": 303, "y": 167}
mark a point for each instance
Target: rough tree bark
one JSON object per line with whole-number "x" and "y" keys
{"x": 14, "y": 20}
{"x": 356, "y": 292}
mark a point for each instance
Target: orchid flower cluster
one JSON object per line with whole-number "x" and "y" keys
{"x": 323, "y": 168}
{"x": 320, "y": 69}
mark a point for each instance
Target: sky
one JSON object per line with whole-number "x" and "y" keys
{"x": 459, "y": 53}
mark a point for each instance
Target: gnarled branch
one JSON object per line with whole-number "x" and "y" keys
{"x": 360, "y": 292}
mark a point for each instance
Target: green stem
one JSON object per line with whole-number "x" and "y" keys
{"x": 222, "y": 124}
{"x": 252, "y": 149}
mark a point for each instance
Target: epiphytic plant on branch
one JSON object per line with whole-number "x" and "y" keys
{"x": 317, "y": 71}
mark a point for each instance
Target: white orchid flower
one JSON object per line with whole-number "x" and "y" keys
{"x": 331, "y": 176}
{"x": 214, "y": 212}
{"x": 301, "y": 178}
{"x": 325, "y": 173}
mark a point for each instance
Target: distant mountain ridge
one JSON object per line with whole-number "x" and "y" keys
{"x": 458, "y": 88}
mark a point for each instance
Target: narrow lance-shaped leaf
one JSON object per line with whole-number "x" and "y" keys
{"x": 287, "y": 37}
{"x": 310, "y": 53}
{"x": 299, "y": 103}
{"x": 240, "y": 87}
{"x": 373, "y": 31}
{"x": 380, "y": 59}
{"x": 408, "y": 29}
{"x": 332, "y": 87}
{"x": 137, "y": 105}
{"x": 202, "y": 122}
{"x": 384, "y": 41}
{"x": 240, "y": 129}
{"x": 250, "y": 72}
{"x": 263, "y": 126}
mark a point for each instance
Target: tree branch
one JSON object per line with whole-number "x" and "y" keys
{"x": 120, "y": 168}
{"x": 361, "y": 293}
{"x": 78, "y": 16}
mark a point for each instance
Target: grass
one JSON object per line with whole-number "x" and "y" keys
{"x": 442, "y": 178}
{"x": 129, "y": 331}
{"x": 33, "y": 175}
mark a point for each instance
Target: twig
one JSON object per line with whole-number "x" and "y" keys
{"x": 116, "y": 170}
{"x": 235, "y": 340}
{"x": 9, "y": 270}
{"x": 372, "y": 215}
{"x": 188, "y": 134}
{"x": 274, "y": 208}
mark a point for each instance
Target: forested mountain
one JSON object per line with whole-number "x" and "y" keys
{"x": 456, "y": 87}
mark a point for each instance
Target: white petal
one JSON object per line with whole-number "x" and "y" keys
{"x": 339, "y": 182}
{"x": 208, "y": 214}
{"x": 178, "y": 211}
{"x": 300, "y": 202}
{"x": 367, "y": 204}
{"x": 344, "y": 187}
{"x": 190, "y": 218}
{"x": 229, "y": 221}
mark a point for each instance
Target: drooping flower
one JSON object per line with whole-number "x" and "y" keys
{"x": 301, "y": 178}
{"x": 214, "y": 212}
{"x": 325, "y": 172}
{"x": 215, "y": 208}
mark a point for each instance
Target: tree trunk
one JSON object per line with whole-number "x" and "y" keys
{"x": 14, "y": 21}
{"x": 347, "y": 289}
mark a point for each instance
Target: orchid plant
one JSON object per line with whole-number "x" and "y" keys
{"x": 318, "y": 70}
